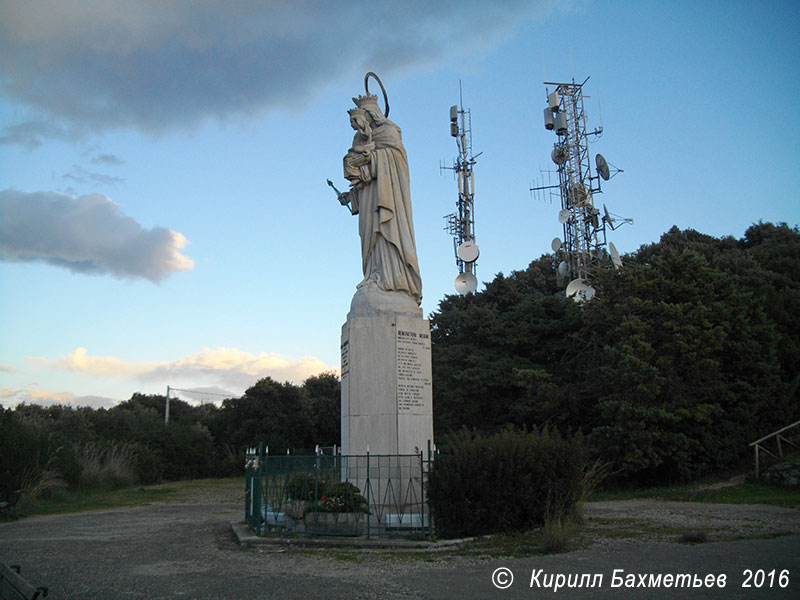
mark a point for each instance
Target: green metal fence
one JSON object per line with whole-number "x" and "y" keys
{"x": 338, "y": 495}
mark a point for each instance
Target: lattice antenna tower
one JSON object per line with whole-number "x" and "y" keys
{"x": 584, "y": 248}
{"x": 461, "y": 224}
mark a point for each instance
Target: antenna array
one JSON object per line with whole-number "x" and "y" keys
{"x": 583, "y": 249}
{"x": 461, "y": 224}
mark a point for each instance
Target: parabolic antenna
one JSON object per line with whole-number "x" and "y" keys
{"x": 615, "y": 259}
{"x": 559, "y": 155}
{"x": 563, "y": 268}
{"x": 466, "y": 283}
{"x": 556, "y": 244}
{"x": 563, "y": 216}
{"x": 468, "y": 251}
{"x": 579, "y": 290}
{"x": 602, "y": 167}
{"x": 607, "y": 217}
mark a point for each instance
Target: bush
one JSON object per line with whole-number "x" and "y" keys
{"x": 784, "y": 474}
{"x": 510, "y": 481}
{"x": 304, "y": 486}
{"x": 107, "y": 467}
{"x": 343, "y": 497}
{"x": 149, "y": 464}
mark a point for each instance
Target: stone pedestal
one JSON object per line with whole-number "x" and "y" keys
{"x": 387, "y": 397}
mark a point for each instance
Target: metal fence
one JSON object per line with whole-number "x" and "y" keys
{"x": 338, "y": 495}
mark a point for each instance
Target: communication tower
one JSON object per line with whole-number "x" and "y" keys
{"x": 583, "y": 249}
{"x": 461, "y": 224}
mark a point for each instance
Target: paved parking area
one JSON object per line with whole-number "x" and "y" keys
{"x": 189, "y": 551}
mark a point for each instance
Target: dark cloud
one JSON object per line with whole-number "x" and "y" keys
{"x": 80, "y": 175}
{"x": 32, "y": 133}
{"x": 86, "y": 234}
{"x": 107, "y": 159}
{"x": 153, "y": 65}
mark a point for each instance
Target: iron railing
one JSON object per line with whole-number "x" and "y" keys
{"x": 338, "y": 495}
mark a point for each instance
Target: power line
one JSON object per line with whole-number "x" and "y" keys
{"x": 172, "y": 389}
{"x": 201, "y": 392}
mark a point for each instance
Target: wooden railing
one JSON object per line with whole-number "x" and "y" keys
{"x": 758, "y": 444}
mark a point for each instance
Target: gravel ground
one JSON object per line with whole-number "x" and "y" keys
{"x": 188, "y": 550}
{"x": 660, "y": 520}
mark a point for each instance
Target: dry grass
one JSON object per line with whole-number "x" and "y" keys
{"x": 36, "y": 485}
{"x": 106, "y": 467}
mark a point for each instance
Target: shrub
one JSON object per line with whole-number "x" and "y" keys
{"x": 338, "y": 497}
{"x": 32, "y": 458}
{"x": 107, "y": 467}
{"x": 149, "y": 464}
{"x": 510, "y": 481}
{"x": 343, "y": 497}
{"x": 304, "y": 486}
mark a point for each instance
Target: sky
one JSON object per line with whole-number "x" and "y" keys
{"x": 164, "y": 213}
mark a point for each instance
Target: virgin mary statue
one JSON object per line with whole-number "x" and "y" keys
{"x": 377, "y": 168}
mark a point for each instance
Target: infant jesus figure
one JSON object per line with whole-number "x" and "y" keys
{"x": 357, "y": 160}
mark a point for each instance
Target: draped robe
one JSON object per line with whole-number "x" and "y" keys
{"x": 382, "y": 200}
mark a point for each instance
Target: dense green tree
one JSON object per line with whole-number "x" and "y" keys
{"x": 323, "y": 397}
{"x": 684, "y": 356}
{"x": 276, "y": 414}
{"x": 482, "y": 342}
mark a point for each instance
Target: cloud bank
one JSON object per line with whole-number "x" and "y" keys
{"x": 228, "y": 368}
{"x": 11, "y": 398}
{"x": 154, "y": 65}
{"x": 86, "y": 234}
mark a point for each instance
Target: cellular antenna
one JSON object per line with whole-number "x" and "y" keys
{"x": 583, "y": 250}
{"x": 461, "y": 224}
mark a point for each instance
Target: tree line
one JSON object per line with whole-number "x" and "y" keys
{"x": 130, "y": 443}
{"x": 686, "y": 355}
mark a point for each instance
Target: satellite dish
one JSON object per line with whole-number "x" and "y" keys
{"x": 466, "y": 283}
{"x": 602, "y": 167}
{"x": 563, "y": 268}
{"x": 615, "y": 259}
{"x": 468, "y": 251}
{"x": 607, "y": 217}
{"x": 559, "y": 155}
{"x": 580, "y": 291}
{"x": 563, "y": 216}
{"x": 556, "y": 244}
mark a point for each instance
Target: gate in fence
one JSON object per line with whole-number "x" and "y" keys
{"x": 338, "y": 495}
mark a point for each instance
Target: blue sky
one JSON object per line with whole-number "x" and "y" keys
{"x": 164, "y": 217}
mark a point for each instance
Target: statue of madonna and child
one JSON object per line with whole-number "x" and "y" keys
{"x": 376, "y": 166}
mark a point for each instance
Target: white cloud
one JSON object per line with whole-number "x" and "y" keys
{"x": 238, "y": 369}
{"x": 224, "y": 368}
{"x": 86, "y": 234}
{"x": 79, "y": 361}
{"x": 11, "y": 398}
{"x": 154, "y": 65}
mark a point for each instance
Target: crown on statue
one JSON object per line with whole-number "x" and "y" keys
{"x": 363, "y": 101}
{"x": 357, "y": 112}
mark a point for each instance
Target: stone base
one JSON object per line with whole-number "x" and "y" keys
{"x": 387, "y": 398}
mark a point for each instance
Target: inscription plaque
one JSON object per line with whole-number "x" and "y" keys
{"x": 413, "y": 379}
